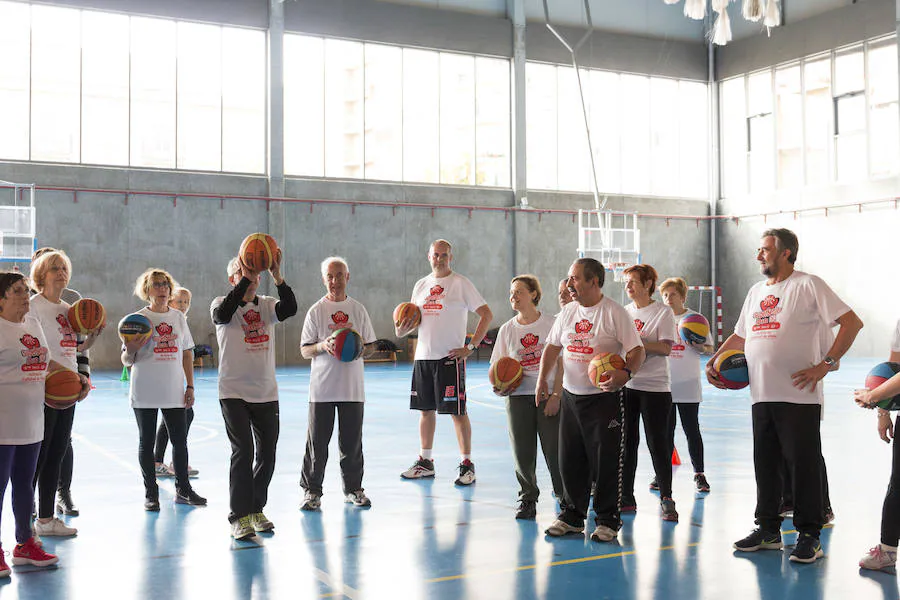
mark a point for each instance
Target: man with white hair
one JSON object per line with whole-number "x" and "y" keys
{"x": 334, "y": 386}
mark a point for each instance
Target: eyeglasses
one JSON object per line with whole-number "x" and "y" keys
{"x": 160, "y": 284}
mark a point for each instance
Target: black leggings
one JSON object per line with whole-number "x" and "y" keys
{"x": 176, "y": 423}
{"x": 690, "y": 423}
{"x": 653, "y": 408}
{"x": 162, "y": 436}
{"x": 57, "y": 432}
{"x": 890, "y": 513}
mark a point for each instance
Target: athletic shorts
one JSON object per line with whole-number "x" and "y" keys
{"x": 439, "y": 385}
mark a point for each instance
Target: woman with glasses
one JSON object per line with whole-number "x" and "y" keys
{"x": 160, "y": 365}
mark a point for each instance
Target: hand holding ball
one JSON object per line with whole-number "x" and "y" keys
{"x": 259, "y": 252}
{"x": 86, "y": 316}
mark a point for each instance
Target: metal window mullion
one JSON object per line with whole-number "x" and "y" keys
{"x": 868, "y": 124}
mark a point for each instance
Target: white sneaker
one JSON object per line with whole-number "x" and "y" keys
{"x": 163, "y": 471}
{"x": 879, "y": 559}
{"x": 242, "y": 528}
{"x": 466, "y": 473}
{"x": 54, "y": 527}
{"x": 423, "y": 467}
{"x": 311, "y": 501}
{"x": 358, "y": 498}
{"x": 604, "y": 534}
{"x": 560, "y": 528}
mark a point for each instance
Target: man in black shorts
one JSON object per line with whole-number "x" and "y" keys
{"x": 445, "y": 299}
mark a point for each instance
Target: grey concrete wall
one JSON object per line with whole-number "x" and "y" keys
{"x": 111, "y": 242}
{"x": 850, "y": 249}
{"x": 824, "y": 32}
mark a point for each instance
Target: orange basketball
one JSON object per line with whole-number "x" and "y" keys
{"x": 61, "y": 388}
{"x": 405, "y": 310}
{"x": 86, "y": 316}
{"x": 506, "y": 373}
{"x": 601, "y": 366}
{"x": 258, "y": 251}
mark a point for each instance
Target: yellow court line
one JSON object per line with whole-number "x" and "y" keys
{"x": 558, "y": 563}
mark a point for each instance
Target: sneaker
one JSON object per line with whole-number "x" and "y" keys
{"x": 242, "y": 528}
{"x": 4, "y": 568}
{"x": 311, "y": 501}
{"x": 358, "y": 498}
{"x": 654, "y": 485}
{"x": 30, "y": 553}
{"x": 64, "y": 504}
{"x": 151, "y": 504}
{"x": 807, "y": 550}
{"x": 760, "y": 540}
{"x": 527, "y": 509}
{"x": 164, "y": 471}
{"x": 877, "y": 559}
{"x": 189, "y": 496}
{"x": 423, "y": 467}
{"x": 259, "y": 522}
{"x": 602, "y": 533}
{"x": 701, "y": 482}
{"x": 54, "y": 527}
{"x": 192, "y": 472}
{"x": 829, "y": 515}
{"x": 560, "y": 528}
{"x": 466, "y": 473}
{"x": 667, "y": 509}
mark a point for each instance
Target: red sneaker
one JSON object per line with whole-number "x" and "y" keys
{"x": 30, "y": 553}
{"x": 4, "y": 568}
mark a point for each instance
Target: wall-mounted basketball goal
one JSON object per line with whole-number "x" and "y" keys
{"x": 612, "y": 238}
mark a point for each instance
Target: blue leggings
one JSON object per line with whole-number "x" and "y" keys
{"x": 17, "y": 464}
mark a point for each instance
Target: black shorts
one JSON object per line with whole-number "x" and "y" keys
{"x": 439, "y": 385}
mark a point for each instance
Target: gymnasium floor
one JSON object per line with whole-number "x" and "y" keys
{"x": 429, "y": 539}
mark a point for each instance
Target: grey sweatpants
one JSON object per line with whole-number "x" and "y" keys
{"x": 321, "y": 426}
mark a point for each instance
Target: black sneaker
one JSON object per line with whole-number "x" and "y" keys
{"x": 807, "y": 550}
{"x": 760, "y": 540}
{"x": 466, "y": 473}
{"x": 667, "y": 510}
{"x": 151, "y": 504}
{"x": 64, "y": 504}
{"x": 189, "y": 497}
{"x": 527, "y": 509}
{"x": 701, "y": 482}
{"x": 654, "y": 485}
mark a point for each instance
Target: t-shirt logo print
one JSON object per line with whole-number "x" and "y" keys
{"x": 35, "y": 355}
{"x": 435, "y": 295}
{"x": 68, "y": 335}
{"x": 340, "y": 320}
{"x": 639, "y": 325}
{"x": 580, "y": 341}
{"x": 530, "y": 353}
{"x": 166, "y": 341}
{"x": 254, "y": 328}
{"x": 767, "y": 317}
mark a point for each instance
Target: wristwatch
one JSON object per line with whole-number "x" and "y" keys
{"x": 829, "y": 361}
{"x": 470, "y": 347}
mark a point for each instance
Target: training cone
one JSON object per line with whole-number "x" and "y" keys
{"x": 676, "y": 460}
{"x": 124, "y": 376}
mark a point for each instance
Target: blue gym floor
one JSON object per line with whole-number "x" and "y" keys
{"x": 430, "y": 539}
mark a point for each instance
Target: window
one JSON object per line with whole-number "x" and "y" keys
{"x": 693, "y": 139}
{"x": 817, "y": 119}
{"x": 304, "y": 105}
{"x": 760, "y": 132}
{"x": 199, "y": 97}
{"x": 244, "y": 100}
{"x": 153, "y": 44}
{"x": 457, "y": 118}
{"x": 15, "y": 42}
{"x": 850, "y": 115}
{"x": 606, "y": 106}
{"x": 384, "y": 113}
{"x": 789, "y": 125}
{"x": 540, "y": 109}
{"x": 55, "y": 84}
{"x": 884, "y": 138}
{"x": 104, "y": 88}
{"x": 492, "y": 122}
{"x": 664, "y": 128}
{"x": 573, "y": 158}
{"x": 344, "y": 119}
{"x": 421, "y": 123}
{"x": 635, "y": 134}
{"x": 734, "y": 137}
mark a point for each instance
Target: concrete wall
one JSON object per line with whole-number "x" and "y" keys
{"x": 111, "y": 242}
{"x": 850, "y": 249}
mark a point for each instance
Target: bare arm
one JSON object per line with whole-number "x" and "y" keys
{"x": 187, "y": 363}
{"x": 660, "y": 348}
{"x": 549, "y": 357}
{"x": 634, "y": 358}
{"x": 310, "y": 351}
{"x": 484, "y": 321}
{"x": 849, "y": 325}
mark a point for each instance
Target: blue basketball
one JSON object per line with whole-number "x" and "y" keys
{"x": 348, "y": 345}
{"x": 135, "y": 327}
{"x": 878, "y": 375}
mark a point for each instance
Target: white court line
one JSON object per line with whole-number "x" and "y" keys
{"x": 129, "y": 466}
{"x": 336, "y": 585}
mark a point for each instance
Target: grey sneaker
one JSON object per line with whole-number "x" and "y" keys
{"x": 604, "y": 534}
{"x": 423, "y": 467}
{"x": 358, "y": 498}
{"x": 311, "y": 501}
{"x": 260, "y": 523}
{"x": 242, "y": 528}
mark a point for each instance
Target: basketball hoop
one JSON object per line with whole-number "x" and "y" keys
{"x": 618, "y": 270}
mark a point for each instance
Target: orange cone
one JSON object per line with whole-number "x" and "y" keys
{"x": 676, "y": 460}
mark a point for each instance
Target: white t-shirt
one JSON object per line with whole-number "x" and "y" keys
{"x": 247, "y": 351}
{"x": 525, "y": 343}
{"x": 583, "y": 332}
{"x": 61, "y": 339}
{"x": 157, "y": 377}
{"x": 655, "y": 323}
{"x": 684, "y": 369}
{"x": 782, "y": 327}
{"x": 445, "y": 303}
{"x": 23, "y": 366}
{"x": 331, "y": 380}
